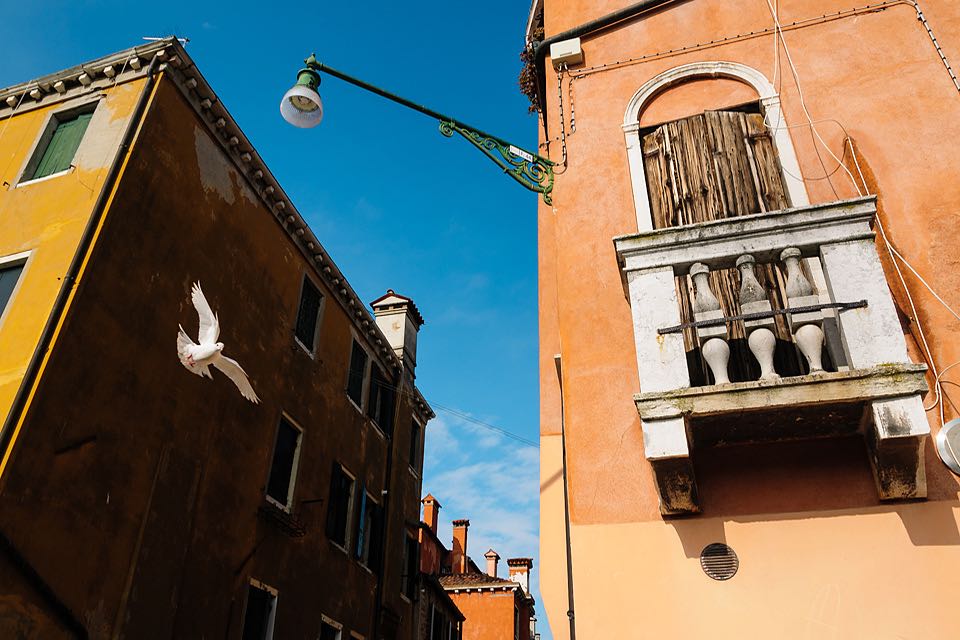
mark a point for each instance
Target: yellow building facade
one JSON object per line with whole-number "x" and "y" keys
{"x": 47, "y": 223}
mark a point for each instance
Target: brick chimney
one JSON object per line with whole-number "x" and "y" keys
{"x": 431, "y": 512}
{"x": 520, "y": 569}
{"x": 493, "y": 558}
{"x": 458, "y": 553}
{"x": 399, "y": 320}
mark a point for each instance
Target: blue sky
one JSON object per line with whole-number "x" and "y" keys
{"x": 394, "y": 202}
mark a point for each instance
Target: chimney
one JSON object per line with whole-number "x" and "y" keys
{"x": 492, "y": 559}
{"x": 520, "y": 572}
{"x": 458, "y": 554}
{"x": 431, "y": 512}
{"x": 399, "y": 320}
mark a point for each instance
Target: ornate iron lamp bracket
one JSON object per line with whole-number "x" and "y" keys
{"x": 529, "y": 169}
{"x": 532, "y": 171}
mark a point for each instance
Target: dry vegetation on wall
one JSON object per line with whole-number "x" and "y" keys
{"x": 528, "y": 74}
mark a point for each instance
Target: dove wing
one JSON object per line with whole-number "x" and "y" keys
{"x": 209, "y": 323}
{"x": 232, "y": 369}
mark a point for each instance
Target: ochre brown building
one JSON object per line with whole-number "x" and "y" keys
{"x": 488, "y": 606}
{"x": 138, "y": 500}
{"x": 706, "y": 475}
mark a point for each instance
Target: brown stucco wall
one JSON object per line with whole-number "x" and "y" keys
{"x": 135, "y": 487}
{"x": 799, "y": 513}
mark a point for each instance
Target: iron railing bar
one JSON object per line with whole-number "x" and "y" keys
{"x": 716, "y": 322}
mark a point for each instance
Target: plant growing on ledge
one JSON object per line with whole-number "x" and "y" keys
{"x": 528, "y": 74}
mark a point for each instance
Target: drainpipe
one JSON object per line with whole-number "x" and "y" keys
{"x": 566, "y": 505}
{"x": 46, "y": 337}
{"x": 542, "y": 48}
{"x": 391, "y": 443}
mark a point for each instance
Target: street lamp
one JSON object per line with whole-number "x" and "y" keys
{"x": 302, "y": 107}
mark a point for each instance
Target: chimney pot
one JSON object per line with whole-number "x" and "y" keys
{"x": 493, "y": 558}
{"x": 431, "y": 512}
{"x": 520, "y": 569}
{"x": 458, "y": 552}
{"x": 400, "y": 321}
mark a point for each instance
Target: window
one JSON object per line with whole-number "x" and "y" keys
{"x": 369, "y": 529}
{"x": 358, "y": 371}
{"x": 414, "y": 458}
{"x": 411, "y": 567}
{"x": 261, "y": 610}
{"x": 9, "y": 276}
{"x": 329, "y": 630}
{"x": 380, "y": 400}
{"x": 339, "y": 508}
{"x": 439, "y": 625}
{"x": 58, "y": 144}
{"x": 516, "y": 622}
{"x": 308, "y": 315}
{"x": 283, "y": 470}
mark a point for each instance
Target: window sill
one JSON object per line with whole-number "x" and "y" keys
{"x": 282, "y": 518}
{"x": 307, "y": 351}
{"x": 356, "y": 406}
{"x": 25, "y": 183}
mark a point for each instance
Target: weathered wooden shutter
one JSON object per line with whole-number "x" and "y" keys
{"x": 716, "y": 165}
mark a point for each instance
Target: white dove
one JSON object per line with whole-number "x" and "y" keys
{"x": 197, "y": 358}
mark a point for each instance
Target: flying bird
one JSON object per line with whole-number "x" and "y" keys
{"x": 197, "y": 358}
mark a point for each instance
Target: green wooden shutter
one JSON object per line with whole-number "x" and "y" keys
{"x": 62, "y": 146}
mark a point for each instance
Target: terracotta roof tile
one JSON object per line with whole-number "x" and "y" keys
{"x": 466, "y": 580}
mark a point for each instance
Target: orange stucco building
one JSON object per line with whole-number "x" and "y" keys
{"x": 762, "y": 159}
{"x": 474, "y": 605}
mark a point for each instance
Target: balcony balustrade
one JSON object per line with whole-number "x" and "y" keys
{"x": 812, "y": 348}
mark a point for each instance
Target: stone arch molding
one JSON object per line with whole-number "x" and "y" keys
{"x": 769, "y": 101}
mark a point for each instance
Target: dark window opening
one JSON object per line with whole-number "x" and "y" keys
{"x": 380, "y": 400}
{"x": 308, "y": 314}
{"x": 338, "y": 511}
{"x": 257, "y": 621}
{"x": 358, "y": 369}
{"x": 328, "y": 631}
{"x": 59, "y": 145}
{"x": 283, "y": 467}
{"x": 9, "y": 276}
{"x": 369, "y": 532}
{"x": 415, "y": 445}
{"x": 411, "y": 567}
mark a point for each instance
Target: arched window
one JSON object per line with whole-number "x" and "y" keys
{"x": 703, "y": 145}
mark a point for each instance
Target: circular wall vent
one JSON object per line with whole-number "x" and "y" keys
{"x": 719, "y": 561}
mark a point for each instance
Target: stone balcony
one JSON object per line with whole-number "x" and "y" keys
{"x": 837, "y": 316}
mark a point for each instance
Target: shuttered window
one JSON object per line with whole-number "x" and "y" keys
{"x": 9, "y": 276}
{"x": 716, "y": 165}
{"x": 286, "y": 450}
{"x": 358, "y": 369}
{"x": 59, "y": 151}
{"x": 308, "y": 314}
{"x": 380, "y": 400}
{"x": 259, "y": 615}
{"x": 339, "y": 505}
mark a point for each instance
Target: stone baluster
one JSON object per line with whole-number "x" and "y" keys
{"x": 713, "y": 342}
{"x": 760, "y": 336}
{"x": 807, "y": 326}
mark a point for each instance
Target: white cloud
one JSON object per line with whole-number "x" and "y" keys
{"x": 479, "y": 474}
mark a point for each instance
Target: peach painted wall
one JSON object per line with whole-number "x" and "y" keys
{"x": 809, "y": 527}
